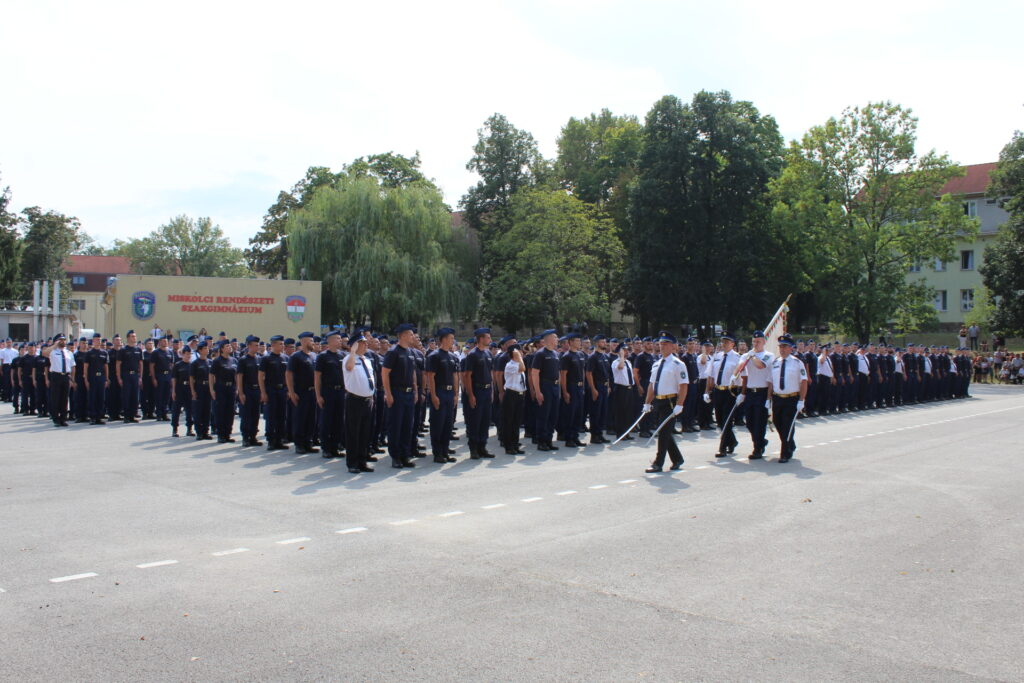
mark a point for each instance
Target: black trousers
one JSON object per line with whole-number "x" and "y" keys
{"x": 622, "y": 414}
{"x": 666, "y": 439}
{"x": 358, "y": 424}
{"x": 784, "y": 417}
{"x": 723, "y": 401}
{"x": 60, "y": 386}
{"x": 512, "y": 405}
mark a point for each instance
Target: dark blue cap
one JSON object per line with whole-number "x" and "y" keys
{"x": 202, "y": 345}
{"x": 82, "y": 339}
{"x": 277, "y": 338}
{"x": 305, "y": 335}
{"x": 599, "y": 337}
{"x": 444, "y": 331}
{"x": 706, "y": 343}
{"x": 222, "y": 334}
{"x": 332, "y": 333}
{"x": 692, "y": 339}
{"x": 289, "y": 341}
{"x": 507, "y": 338}
{"x": 546, "y": 333}
{"x": 186, "y": 349}
{"x": 573, "y": 335}
{"x": 647, "y": 339}
{"x": 251, "y": 338}
{"x": 96, "y": 335}
{"x": 481, "y": 331}
{"x": 234, "y": 340}
{"x": 786, "y": 340}
{"x": 316, "y": 338}
{"x": 405, "y": 327}
{"x": 193, "y": 338}
{"x": 758, "y": 334}
{"x": 728, "y": 335}
{"x": 666, "y": 337}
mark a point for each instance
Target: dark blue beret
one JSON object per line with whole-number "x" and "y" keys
{"x": 481, "y": 331}
{"x": 405, "y": 327}
{"x": 289, "y": 341}
{"x": 251, "y": 338}
{"x": 277, "y": 338}
{"x": 305, "y": 335}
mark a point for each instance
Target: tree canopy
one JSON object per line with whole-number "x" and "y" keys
{"x": 49, "y": 238}
{"x": 10, "y": 249}
{"x": 184, "y": 246}
{"x": 1003, "y": 269}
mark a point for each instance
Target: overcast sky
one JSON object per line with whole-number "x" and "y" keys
{"x": 125, "y": 114}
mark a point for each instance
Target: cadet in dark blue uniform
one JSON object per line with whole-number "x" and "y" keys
{"x": 330, "y": 396}
{"x": 28, "y": 371}
{"x": 41, "y": 366}
{"x": 442, "y": 377}
{"x": 599, "y": 374}
{"x": 181, "y": 391}
{"x": 147, "y": 395}
{"x": 572, "y": 379}
{"x": 199, "y": 382}
{"x": 161, "y": 360}
{"x": 274, "y": 393}
{"x": 477, "y": 379}
{"x": 80, "y": 395}
{"x": 223, "y": 370}
{"x": 247, "y": 383}
{"x": 129, "y": 370}
{"x": 399, "y": 379}
{"x": 15, "y": 370}
{"x": 544, "y": 376}
{"x": 301, "y": 393}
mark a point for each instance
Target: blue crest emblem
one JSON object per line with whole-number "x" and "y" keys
{"x": 143, "y": 305}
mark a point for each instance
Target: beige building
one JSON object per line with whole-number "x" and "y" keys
{"x": 183, "y": 305}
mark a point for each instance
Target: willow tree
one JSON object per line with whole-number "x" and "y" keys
{"x": 384, "y": 254}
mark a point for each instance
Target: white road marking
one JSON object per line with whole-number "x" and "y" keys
{"x": 73, "y": 577}
{"x": 353, "y": 530}
{"x": 233, "y": 551}
{"x": 403, "y": 522}
{"x": 823, "y": 443}
{"x": 628, "y": 481}
{"x": 565, "y": 493}
{"x": 598, "y": 486}
{"x": 453, "y": 513}
{"x": 701, "y": 467}
{"x": 289, "y": 541}
{"x": 494, "y": 506}
{"x": 836, "y": 441}
{"x": 150, "y": 565}
{"x": 532, "y": 500}
{"x": 2, "y": 590}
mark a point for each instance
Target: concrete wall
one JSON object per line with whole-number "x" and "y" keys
{"x": 184, "y": 305}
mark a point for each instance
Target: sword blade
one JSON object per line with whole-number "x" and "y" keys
{"x": 626, "y": 433}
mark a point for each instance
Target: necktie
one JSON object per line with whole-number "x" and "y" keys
{"x": 782, "y": 376}
{"x": 721, "y": 368}
{"x": 62, "y": 360}
{"x": 629, "y": 374}
{"x": 658, "y": 378}
{"x": 362, "y": 361}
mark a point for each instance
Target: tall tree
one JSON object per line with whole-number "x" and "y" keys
{"x": 10, "y": 249}
{"x": 557, "y": 261}
{"x": 184, "y": 246}
{"x": 50, "y": 237}
{"x": 698, "y": 214}
{"x": 597, "y": 155}
{"x": 1003, "y": 269}
{"x": 856, "y": 189}
{"x": 384, "y": 254}
{"x": 390, "y": 169}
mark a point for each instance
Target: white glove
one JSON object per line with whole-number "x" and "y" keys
{"x": 707, "y": 399}
{"x": 646, "y": 408}
{"x": 768, "y": 404}
{"x": 676, "y": 410}
{"x": 740, "y": 399}
{"x": 799, "y": 406}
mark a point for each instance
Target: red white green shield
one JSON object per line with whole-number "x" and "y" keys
{"x": 296, "y": 306}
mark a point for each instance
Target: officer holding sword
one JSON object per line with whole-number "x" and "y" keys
{"x": 666, "y": 395}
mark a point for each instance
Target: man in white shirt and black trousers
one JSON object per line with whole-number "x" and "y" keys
{"x": 666, "y": 395}
{"x": 60, "y": 379}
{"x": 722, "y": 389}
{"x": 756, "y": 376}
{"x": 788, "y": 389}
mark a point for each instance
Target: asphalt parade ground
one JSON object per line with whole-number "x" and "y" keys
{"x": 888, "y": 549}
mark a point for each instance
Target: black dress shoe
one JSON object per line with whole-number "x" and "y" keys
{"x": 652, "y": 470}
{"x": 377, "y": 450}
{"x": 645, "y": 435}
{"x": 206, "y": 437}
{"x": 484, "y": 453}
{"x": 227, "y": 440}
{"x": 440, "y": 459}
{"x": 542, "y": 447}
{"x": 398, "y": 464}
{"x": 552, "y": 447}
{"x": 720, "y": 455}
{"x": 371, "y": 458}
{"x": 785, "y": 459}
{"x": 755, "y": 456}
{"x": 627, "y": 437}
{"x": 354, "y": 470}
{"x": 329, "y": 454}
{"x": 408, "y": 463}
{"x": 676, "y": 466}
{"x": 451, "y": 459}
{"x": 364, "y": 468}
{"x": 451, "y": 451}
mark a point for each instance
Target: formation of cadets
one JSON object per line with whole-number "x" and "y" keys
{"x": 353, "y": 396}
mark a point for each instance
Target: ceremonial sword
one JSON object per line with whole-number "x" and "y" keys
{"x": 626, "y": 433}
{"x": 655, "y": 434}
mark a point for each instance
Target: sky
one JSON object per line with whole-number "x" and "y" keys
{"x": 126, "y": 114}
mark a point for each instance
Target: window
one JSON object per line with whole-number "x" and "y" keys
{"x": 939, "y": 266}
{"x": 915, "y": 266}
{"x": 966, "y": 300}
{"x": 18, "y": 331}
{"x": 940, "y": 300}
{"x": 77, "y": 280}
{"x": 967, "y": 259}
{"x": 971, "y": 208}
{"x": 77, "y": 304}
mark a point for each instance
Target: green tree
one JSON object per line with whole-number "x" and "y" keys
{"x": 50, "y": 237}
{"x": 184, "y": 246}
{"x": 10, "y": 250}
{"x": 390, "y": 169}
{"x": 384, "y": 254}
{"x": 597, "y": 155}
{"x": 856, "y": 190}
{"x": 557, "y": 261}
{"x": 699, "y": 237}
{"x": 1003, "y": 270}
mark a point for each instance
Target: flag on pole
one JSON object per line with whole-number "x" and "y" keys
{"x": 775, "y": 328}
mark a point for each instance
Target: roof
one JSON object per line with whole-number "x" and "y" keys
{"x": 975, "y": 182}
{"x": 105, "y": 265}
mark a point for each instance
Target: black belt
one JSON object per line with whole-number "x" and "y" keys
{"x": 97, "y": 374}
{"x": 551, "y": 381}
{"x": 253, "y": 386}
{"x": 227, "y": 384}
{"x": 133, "y": 372}
{"x": 361, "y": 398}
{"x": 579, "y": 384}
{"x": 516, "y": 391}
{"x": 165, "y": 372}
{"x": 59, "y": 374}
{"x": 448, "y": 387}
{"x": 481, "y": 386}
{"x": 757, "y": 389}
{"x": 277, "y": 386}
{"x": 337, "y": 386}
{"x": 404, "y": 390}
{"x": 202, "y": 383}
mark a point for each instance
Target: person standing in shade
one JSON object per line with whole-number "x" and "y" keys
{"x": 247, "y": 387}
{"x": 147, "y": 394}
{"x": 666, "y": 396}
{"x": 544, "y": 375}
{"x": 572, "y": 378}
{"x": 299, "y": 379}
{"x": 330, "y": 396}
{"x": 360, "y": 390}
{"x": 96, "y": 380}
{"x": 60, "y": 379}
{"x": 514, "y": 378}
{"x": 223, "y": 369}
{"x": 442, "y": 377}
{"x": 756, "y": 377}
{"x": 623, "y": 391}
{"x": 599, "y": 373}
{"x": 129, "y": 370}
{"x": 399, "y": 378}
{"x": 80, "y": 395}
{"x": 27, "y": 368}
{"x": 199, "y": 383}
{"x": 721, "y": 392}
{"x": 477, "y": 367}
{"x": 498, "y": 374}
{"x": 161, "y": 360}
{"x": 787, "y": 390}
{"x": 274, "y": 393}
{"x": 181, "y": 391}
{"x": 39, "y": 380}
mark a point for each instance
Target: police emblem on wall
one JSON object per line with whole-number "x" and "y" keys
{"x": 143, "y": 305}
{"x": 296, "y": 306}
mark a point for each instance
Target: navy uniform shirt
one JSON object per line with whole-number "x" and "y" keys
{"x": 420, "y": 361}
{"x": 131, "y": 360}
{"x": 328, "y": 364}
{"x": 479, "y": 364}
{"x": 80, "y": 368}
{"x": 444, "y": 366}
{"x": 377, "y": 362}
{"x": 574, "y": 364}
{"x": 223, "y": 371}
{"x": 162, "y": 361}
{"x": 301, "y": 367}
{"x": 400, "y": 362}
{"x": 28, "y": 364}
{"x": 692, "y": 367}
{"x": 546, "y": 362}
{"x": 249, "y": 367}
{"x": 180, "y": 375}
{"x": 42, "y": 364}
{"x": 600, "y": 367}
{"x": 643, "y": 363}
{"x": 200, "y": 371}
{"x": 273, "y": 366}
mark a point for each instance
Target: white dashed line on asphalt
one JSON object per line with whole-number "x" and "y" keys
{"x": 150, "y": 565}
{"x": 453, "y": 513}
{"x": 403, "y": 522}
{"x": 74, "y": 577}
{"x": 628, "y": 481}
{"x": 531, "y": 500}
{"x": 493, "y": 506}
{"x": 233, "y": 551}
{"x": 701, "y": 467}
{"x": 289, "y": 541}
{"x": 353, "y": 530}
{"x": 595, "y": 487}
{"x": 565, "y": 493}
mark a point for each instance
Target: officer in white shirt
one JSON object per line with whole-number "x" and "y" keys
{"x": 825, "y": 380}
{"x": 358, "y": 377}
{"x": 756, "y": 376}
{"x": 623, "y": 392}
{"x": 788, "y": 389}
{"x": 723, "y": 386}
{"x": 666, "y": 395}
{"x": 60, "y": 379}
{"x": 7, "y": 354}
